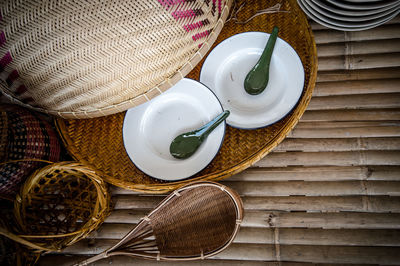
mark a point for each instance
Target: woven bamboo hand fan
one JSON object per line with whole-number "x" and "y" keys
{"x": 194, "y": 222}
{"x": 82, "y": 59}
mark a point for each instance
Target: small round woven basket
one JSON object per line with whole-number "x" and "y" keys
{"x": 59, "y": 205}
{"x": 24, "y": 135}
{"x": 85, "y": 59}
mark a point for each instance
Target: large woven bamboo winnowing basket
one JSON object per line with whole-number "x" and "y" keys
{"x": 194, "y": 222}
{"x": 58, "y": 205}
{"x": 82, "y": 59}
{"x": 99, "y": 143}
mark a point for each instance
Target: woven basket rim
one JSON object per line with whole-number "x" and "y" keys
{"x": 161, "y": 87}
{"x": 26, "y": 144}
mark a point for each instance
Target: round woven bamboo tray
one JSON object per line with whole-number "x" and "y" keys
{"x": 59, "y": 205}
{"x": 86, "y": 59}
{"x": 98, "y": 142}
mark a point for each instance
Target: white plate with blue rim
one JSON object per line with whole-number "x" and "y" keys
{"x": 149, "y": 129}
{"x": 226, "y": 67}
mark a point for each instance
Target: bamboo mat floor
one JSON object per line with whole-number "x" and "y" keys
{"x": 330, "y": 192}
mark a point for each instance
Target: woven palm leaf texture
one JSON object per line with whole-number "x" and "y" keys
{"x": 81, "y": 59}
{"x": 25, "y": 135}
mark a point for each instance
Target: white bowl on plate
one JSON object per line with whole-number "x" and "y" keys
{"x": 149, "y": 129}
{"x": 226, "y": 67}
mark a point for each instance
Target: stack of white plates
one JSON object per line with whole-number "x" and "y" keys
{"x": 350, "y": 15}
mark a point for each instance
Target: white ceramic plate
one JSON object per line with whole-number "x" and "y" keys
{"x": 227, "y": 65}
{"x": 359, "y": 12}
{"x": 363, "y": 6}
{"x": 345, "y": 25}
{"x": 149, "y": 129}
{"x": 339, "y": 17}
{"x": 362, "y": 1}
{"x": 343, "y": 28}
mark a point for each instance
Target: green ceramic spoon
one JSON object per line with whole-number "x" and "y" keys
{"x": 184, "y": 145}
{"x": 257, "y": 79}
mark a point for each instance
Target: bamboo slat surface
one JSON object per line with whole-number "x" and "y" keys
{"x": 329, "y": 193}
